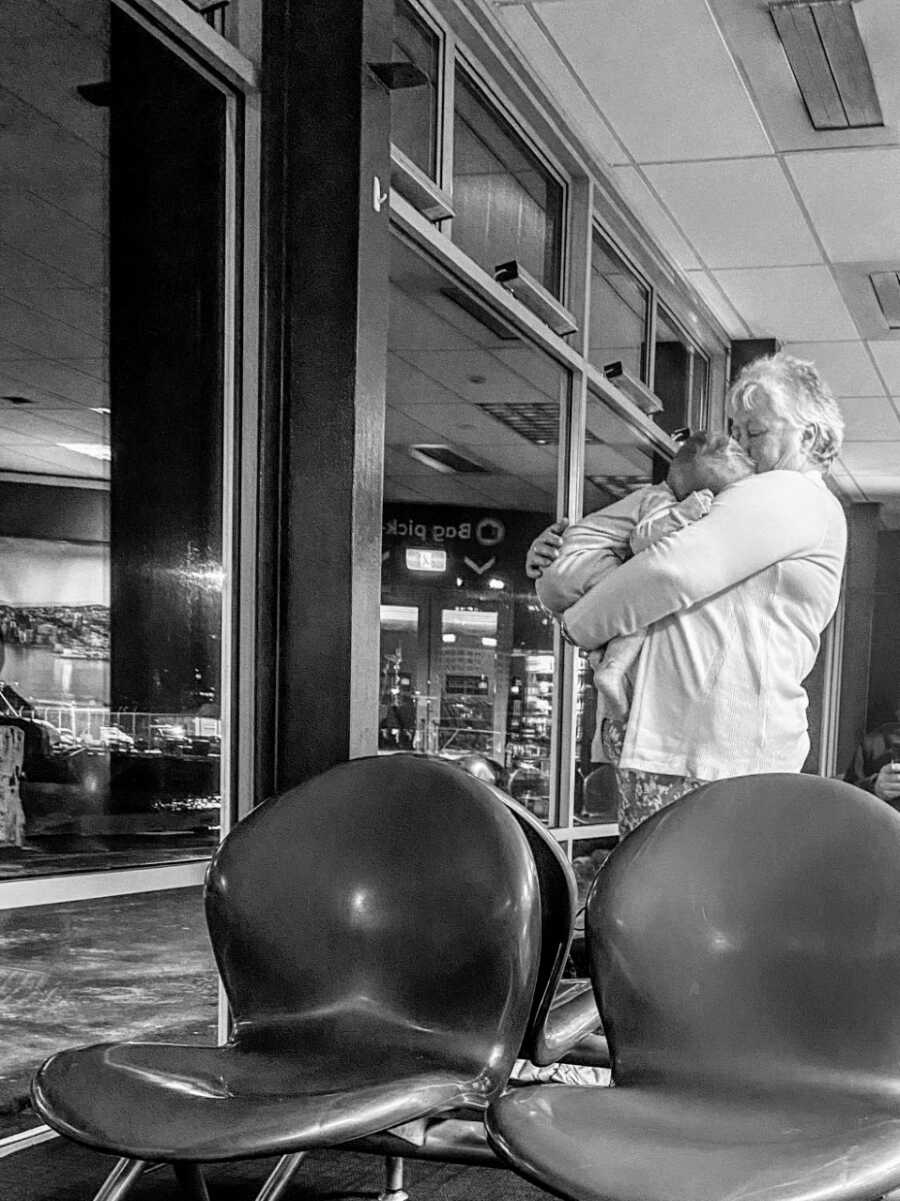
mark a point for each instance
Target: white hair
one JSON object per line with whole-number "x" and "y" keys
{"x": 793, "y": 390}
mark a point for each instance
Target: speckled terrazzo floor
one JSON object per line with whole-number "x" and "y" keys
{"x": 91, "y": 971}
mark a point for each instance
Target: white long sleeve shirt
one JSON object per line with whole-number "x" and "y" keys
{"x": 736, "y": 604}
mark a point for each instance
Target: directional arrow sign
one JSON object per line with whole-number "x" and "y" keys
{"x": 484, "y": 566}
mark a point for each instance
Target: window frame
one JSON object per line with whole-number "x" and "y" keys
{"x": 495, "y": 102}
{"x": 614, "y": 244}
{"x": 694, "y": 420}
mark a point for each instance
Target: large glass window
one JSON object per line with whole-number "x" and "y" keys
{"x": 680, "y": 376}
{"x": 112, "y": 393}
{"x": 507, "y": 204}
{"x": 414, "y": 110}
{"x": 619, "y": 307}
{"x": 474, "y": 414}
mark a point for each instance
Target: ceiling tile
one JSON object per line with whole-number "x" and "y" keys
{"x": 872, "y": 458}
{"x": 414, "y": 326}
{"x": 737, "y": 212}
{"x": 554, "y": 71}
{"x": 793, "y": 304}
{"x": 868, "y": 417}
{"x": 478, "y": 376}
{"x": 662, "y": 76}
{"x": 845, "y": 366}
{"x": 71, "y": 383}
{"x": 659, "y": 222}
{"x": 880, "y": 488}
{"x": 53, "y": 237}
{"x": 887, "y": 356}
{"x": 460, "y": 423}
{"x": 851, "y": 197}
{"x": 33, "y": 332}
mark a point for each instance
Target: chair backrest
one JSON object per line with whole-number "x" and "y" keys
{"x": 559, "y": 898}
{"x": 389, "y": 891}
{"x": 750, "y": 933}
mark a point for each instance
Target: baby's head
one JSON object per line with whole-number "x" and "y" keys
{"x": 710, "y": 461}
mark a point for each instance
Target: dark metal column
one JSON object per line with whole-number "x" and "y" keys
{"x": 327, "y": 123}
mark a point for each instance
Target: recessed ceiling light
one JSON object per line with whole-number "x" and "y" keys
{"x": 94, "y": 450}
{"x": 444, "y": 458}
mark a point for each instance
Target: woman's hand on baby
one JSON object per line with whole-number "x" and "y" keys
{"x": 696, "y": 504}
{"x": 545, "y": 549}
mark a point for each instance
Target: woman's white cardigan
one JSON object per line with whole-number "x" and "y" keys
{"x": 735, "y": 606}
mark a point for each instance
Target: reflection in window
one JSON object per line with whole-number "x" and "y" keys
{"x": 588, "y": 856}
{"x": 616, "y": 462}
{"x": 466, "y": 652}
{"x": 680, "y": 377}
{"x": 507, "y": 205}
{"x": 414, "y": 110}
{"x": 619, "y": 306}
{"x": 111, "y": 594}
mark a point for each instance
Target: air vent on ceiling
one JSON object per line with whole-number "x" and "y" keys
{"x": 480, "y": 312}
{"x": 887, "y": 289}
{"x": 535, "y": 297}
{"x": 17, "y": 400}
{"x": 444, "y": 458}
{"x": 823, "y": 45}
{"x": 633, "y": 388}
{"x": 536, "y": 422}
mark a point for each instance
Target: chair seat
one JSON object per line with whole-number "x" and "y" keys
{"x": 635, "y": 1143}
{"x": 159, "y": 1101}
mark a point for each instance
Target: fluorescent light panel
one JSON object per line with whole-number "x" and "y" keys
{"x": 94, "y": 450}
{"x": 444, "y": 458}
{"x": 823, "y": 45}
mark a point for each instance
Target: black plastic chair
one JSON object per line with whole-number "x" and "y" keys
{"x": 745, "y": 949}
{"x": 377, "y": 931}
{"x": 563, "y": 1022}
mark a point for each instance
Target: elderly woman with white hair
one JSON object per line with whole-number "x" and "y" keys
{"x": 734, "y": 604}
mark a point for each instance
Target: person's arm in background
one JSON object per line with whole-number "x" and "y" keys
{"x": 859, "y": 772}
{"x": 750, "y": 526}
{"x": 883, "y": 782}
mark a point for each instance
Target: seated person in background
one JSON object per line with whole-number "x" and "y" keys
{"x": 876, "y": 762}
{"x": 592, "y": 547}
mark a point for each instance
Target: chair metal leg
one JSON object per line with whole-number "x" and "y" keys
{"x": 190, "y": 1177}
{"x": 280, "y": 1176}
{"x": 120, "y": 1179}
{"x": 393, "y": 1180}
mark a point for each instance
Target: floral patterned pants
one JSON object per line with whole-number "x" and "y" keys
{"x": 641, "y": 793}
